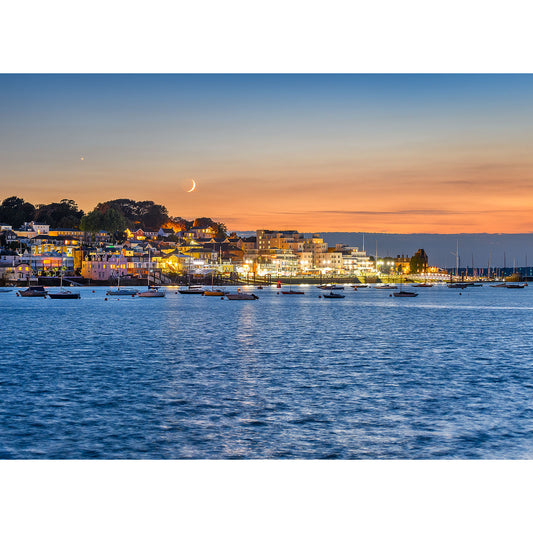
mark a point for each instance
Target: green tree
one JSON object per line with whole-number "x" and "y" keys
{"x": 418, "y": 262}
{"x": 63, "y": 214}
{"x": 15, "y": 211}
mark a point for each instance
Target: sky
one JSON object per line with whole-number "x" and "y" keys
{"x": 363, "y": 153}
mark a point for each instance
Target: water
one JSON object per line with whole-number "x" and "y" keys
{"x": 445, "y": 375}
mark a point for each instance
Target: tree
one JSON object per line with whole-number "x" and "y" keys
{"x": 419, "y": 262}
{"x": 111, "y": 220}
{"x": 145, "y": 214}
{"x": 63, "y": 214}
{"x": 15, "y": 211}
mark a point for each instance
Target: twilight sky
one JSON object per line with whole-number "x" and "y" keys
{"x": 377, "y": 153}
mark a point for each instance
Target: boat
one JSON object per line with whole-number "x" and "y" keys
{"x": 5, "y": 290}
{"x": 405, "y": 294}
{"x": 421, "y": 284}
{"x": 500, "y": 285}
{"x": 334, "y": 295}
{"x": 330, "y": 287}
{"x": 35, "y": 291}
{"x": 191, "y": 290}
{"x": 153, "y": 291}
{"x": 457, "y": 285}
{"x": 360, "y": 286}
{"x": 290, "y": 291}
{"x": 121, "y": 291}
{"x": 241, "y": 296}
{"x": 64, "y": 294}
{"x": 515, "y": 286}
{"x": 215, "y": 292}
{"x": 386, "y": 286}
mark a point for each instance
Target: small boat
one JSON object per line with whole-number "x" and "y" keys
{"x": 122, "y": 292}
{"x": 64, "y": 294}
{"x": 292, "y": 292}
{"x": 331, "y": 287}
{"x": 5, "y": 290}
{"x": 500, "y": 285}
{"x": 405, "y": 294}
{"x": 515, "y": 286}
{"x": 214, "y": 292}
{"x": 457, "y": 285}
{"x": 334, "y": 295}
{"x": 191, "y": 290}
{"x": 153, "y": 292}
{"x": 421, "y": 284}
{"x": 386, "y": 286}
{"x": 360, "y": 286}
{"x": 35, "y": 291}
{"x": 241, "y": 296}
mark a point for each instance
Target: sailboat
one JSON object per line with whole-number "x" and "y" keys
{"x": 121, "y": 292}
{"x": 151, "y": 292}
{"x": 213, "y": 291}
{"x": 190, "y": 288}
{"x": 64, "y": 294}
{"x": 37, "y": 291}
{"x": 290, "y": 291}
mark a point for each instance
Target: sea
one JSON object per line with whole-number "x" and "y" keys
{"x": 445, "y": 375}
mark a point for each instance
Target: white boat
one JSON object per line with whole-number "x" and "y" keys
{"x": 154, "y": 292}
{"x": 5, "y": 290}
{"x": 121, "y": 291}
{"x": 151, "y": 292}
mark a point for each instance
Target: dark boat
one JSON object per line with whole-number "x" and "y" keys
{"x": 292, "y": 292}
{"x": 241, "y": 296}
{"x": 64, "y": 295}
{"x": 405, "y": 294}
{"x": 36, "y": 291}
{"x": 422, "y": 285}
{"x": 191, "y": 291}
{"x": 457, "y": 285}
{"x": 515, "y": 286}
{"x": 334, "y": 295}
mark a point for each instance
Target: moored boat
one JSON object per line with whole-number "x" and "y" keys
{"x": 153, "y": 292}
{"x": 191, "y": 290}
{"x": 334, "y": 295}
{"x": 122, "y": 292}
{"x": 405, "y": 294}
{"x": 241, "y": 296}
{"x": 64, "y": 294}
{"x": 214, "y": 292}
{"x": 36, "y": 291}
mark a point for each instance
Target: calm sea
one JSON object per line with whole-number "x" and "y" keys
{"x": 445, "y": 375}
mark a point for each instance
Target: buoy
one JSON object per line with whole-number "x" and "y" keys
{"x": 105, "y": 299}
{"x": 93, "y": 292}
{"x": 176, "y": 292}
{"x": 390, "y": 295}
{"x": 133, "y": 295}
{"x": 277, "y": 292}
{"x": 320, "y": 296}
{"x": 222, "y": 297}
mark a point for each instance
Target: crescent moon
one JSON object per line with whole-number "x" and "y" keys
{"x": 193, "y": 186}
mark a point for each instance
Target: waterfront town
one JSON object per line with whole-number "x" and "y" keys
{"x": 176, "y": 251}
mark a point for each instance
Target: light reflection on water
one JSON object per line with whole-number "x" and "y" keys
{"x": 444, "y": 375}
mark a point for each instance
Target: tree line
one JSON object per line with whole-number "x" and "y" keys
{"x": 113, "y": 216}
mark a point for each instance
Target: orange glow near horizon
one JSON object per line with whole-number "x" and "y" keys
{"x": 314, "y": 153}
